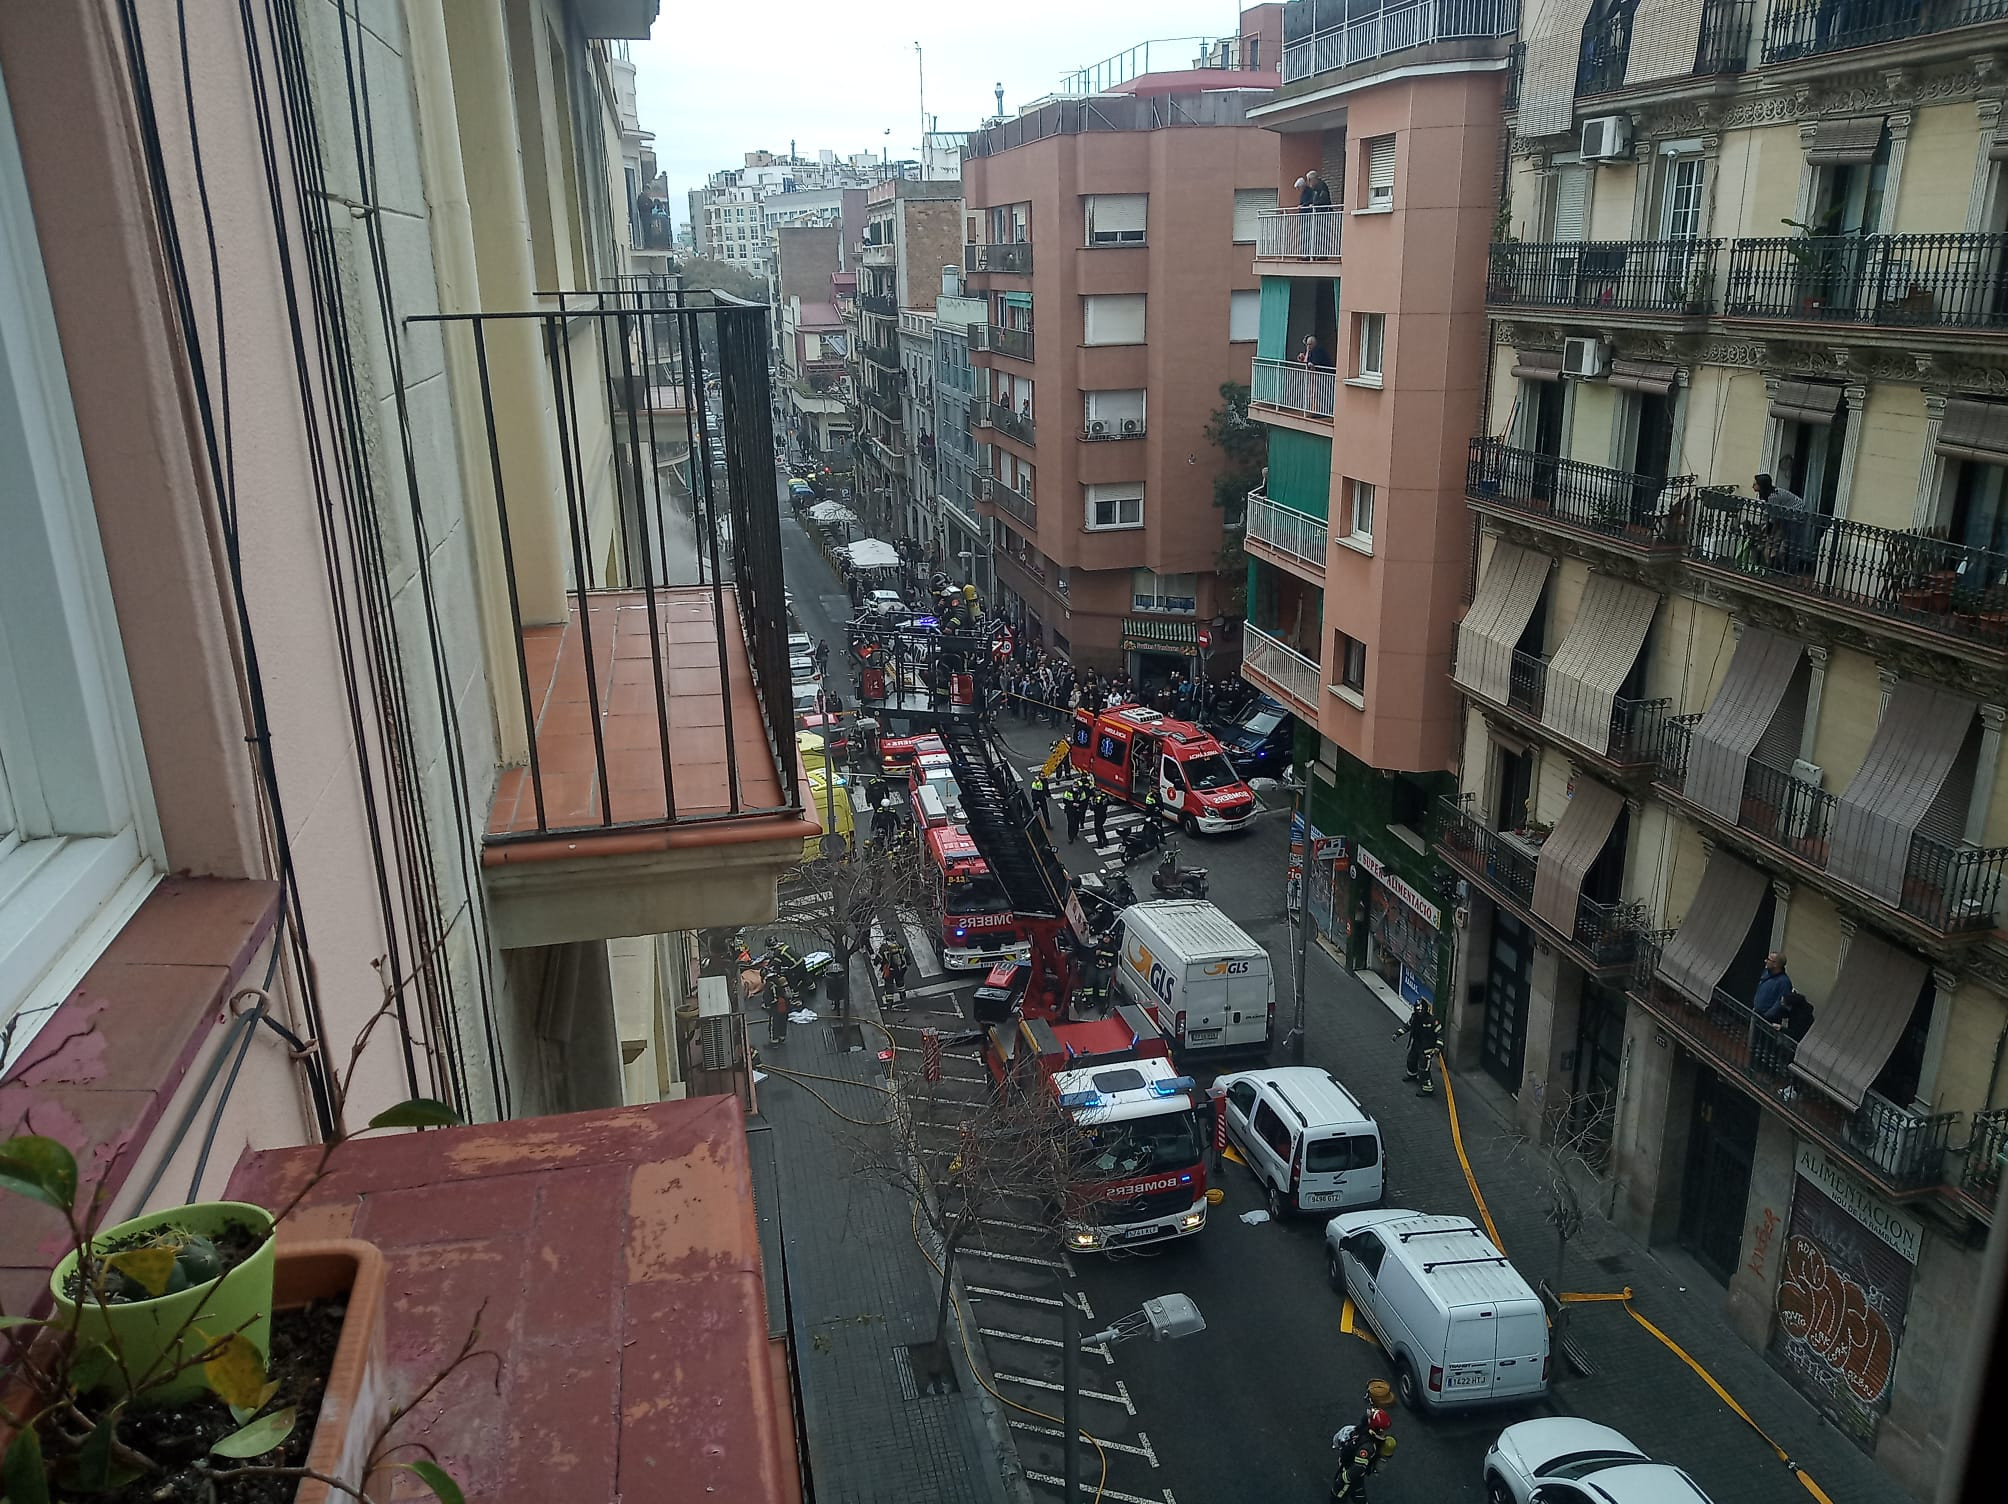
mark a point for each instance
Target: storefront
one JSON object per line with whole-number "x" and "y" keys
{"x": 1325, "y": 886}
{"x": 1156, "y": 648}
{"x": 1402, "y": 931}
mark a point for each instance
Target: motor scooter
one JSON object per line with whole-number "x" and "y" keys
{"x": 1174, "y": 881}
{"x": 1140, "y": 840}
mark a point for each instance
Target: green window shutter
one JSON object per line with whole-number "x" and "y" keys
{"x": 1274, "y": 336}
{"x": 1300, "y": 471}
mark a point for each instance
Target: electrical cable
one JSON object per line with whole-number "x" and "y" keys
{"x": 262, "y": 1007}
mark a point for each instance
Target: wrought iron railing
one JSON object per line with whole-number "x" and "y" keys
{"x": 1012, "y": 425}
{"x": 885, "y": 357}
{"x": 1643, "y": 512}
{"x": 1354, "y": 38}
{"x": 1810, "y": 28}
{"x": 1516, "y": 64}
{"x": 1015, "y": 258}
{"x": 1293, "y": 387}
{"x": 1725, "y": 38}
{"x": 879, "y": 304}
{"x": 1600, "y": 66}
{"x": 1611, "y": 276}
{"x": 1636, "y": 726}
{"x": 1286, "y": 531}
{"x": 1282, "y": 667}
{"x": 1011, "y": 502}
{"x": 1947, "y": 886}
{"x": 886, "y": 404}
{"x": 1905, "y": 576}
{"x": 1938, "y": 281}
{"x": 1016, "y": 343}
{"x": 621, "y": 507}
{"x": 1894, "y": 1147}
{"x": 1300, "y": 234}
{"x": 1986, "y": 1144}
{"x": 1604, "y": 932}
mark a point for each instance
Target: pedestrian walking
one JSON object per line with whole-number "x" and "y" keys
{"x": 1425, "y": 1034}
{"x": 1076, "y": 809}
{"x": 1101, "y": 803}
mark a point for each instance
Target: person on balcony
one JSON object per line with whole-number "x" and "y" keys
{"x": 1772, "y": 989}
{"x": 1791, "y": 541}
{"x": 1314, "y": 354}
{"x": 1313, "y": 192}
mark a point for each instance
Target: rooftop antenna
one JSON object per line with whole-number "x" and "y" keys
{"x": 920, "y": 66}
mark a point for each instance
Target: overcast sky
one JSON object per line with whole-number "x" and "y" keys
{"x": 720, "y": 79}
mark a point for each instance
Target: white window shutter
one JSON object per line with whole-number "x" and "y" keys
{"x": 1380, "y": 172}
{"x": 1572, "y": 195}
{"x": 1114, "y": 319}
{"x": 1244, "y": 315}
{"x": 1249, "y": 204}
{"x": 1117, "y": 218}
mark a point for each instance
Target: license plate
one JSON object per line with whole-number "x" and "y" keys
{"x": 1319, "y": 1198}
{"x": 1201, "y": 1036}
{"x": 1141, "y": 1232}
{"x": 1467, "y": 1380}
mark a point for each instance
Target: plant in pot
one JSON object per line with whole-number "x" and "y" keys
{"x": 157, "y": 1374}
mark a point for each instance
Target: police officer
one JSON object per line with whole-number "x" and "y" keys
{"x": 1039, "y": 800}
{"x": 1424, "y": 1035}
{"x": 1100, "y": 802}
{"x": 1076, "y": 803}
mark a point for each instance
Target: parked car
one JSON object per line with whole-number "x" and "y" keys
{"x": 1458, "y": 1322}
{"x": 1562, "y": 1460}
{"x": 1261, "y": 740}
{"x": 1309, "y": 1143}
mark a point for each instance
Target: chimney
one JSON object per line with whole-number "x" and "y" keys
{"x": 1000, "y": 101}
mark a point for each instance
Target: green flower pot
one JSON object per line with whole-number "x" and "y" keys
{"x": 143, "y": 1331}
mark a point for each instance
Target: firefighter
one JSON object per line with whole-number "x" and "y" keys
{"x": 892, "y": 964}
{"x": 1425, "y": 1034}
{"x": 1362, "y": 1450}
{"x": 780, "y": 1003}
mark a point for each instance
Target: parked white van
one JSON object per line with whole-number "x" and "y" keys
{"x": 1310, "y": 1144}
{"x": 1198, "y": 972}
{"x": 1458, "y": 1322}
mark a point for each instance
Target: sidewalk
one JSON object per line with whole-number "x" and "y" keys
{"x": 1639, "y": 1387}
{"x": 858, "y": 1291}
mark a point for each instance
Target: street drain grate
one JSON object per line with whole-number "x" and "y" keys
{"x": 917, "y": 1378}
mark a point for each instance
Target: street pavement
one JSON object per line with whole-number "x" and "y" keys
{"x": 1246, "y": 1410}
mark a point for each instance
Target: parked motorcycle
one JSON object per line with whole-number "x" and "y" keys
{"x": 1139, "y": 840}
{"x": 1173, "y": 881}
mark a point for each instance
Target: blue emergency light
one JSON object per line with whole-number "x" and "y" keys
{"x": 1073, "y": 1099}
{"x": 1173, "y": 1087}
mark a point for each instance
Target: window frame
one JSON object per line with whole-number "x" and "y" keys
{"x": 1272, "y": 202}
{"x": 1377, "y": 173}
{"x": 1244, "y": 292}
{"x": 1098, "y": 239}
{"x": 1363, "y": 374}
{"x": 1356, "y": 536}
{"x": 1091, "y": 501}
{"x": 1159, "y": 600}
{"x": 1088, "y": 339}
{"x": 1349, "y": 685}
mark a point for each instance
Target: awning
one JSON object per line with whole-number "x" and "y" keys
{"x": 1017, "y": 300}
{"x": 1553, "y": 33}
{"x": 1665, "y": 36}
{"x": 1848, "y": 142}
{"x": 1862, "y": 1019}
{"x": 1913, "y": 750}
{"x": 1538, "y": 365}
{"x": 1650, "y": 376}
{"x": 1595, "y": 658}
{"x": 1499, "y": 613}
{"x": 1149, "y": 634}
{"x": 1720, "y": 746}
{"x": 871, "y": 553}
{"x": 1974, "y": 431}
{"x": 1698, "y": 953}
{"x": 1570, "y": 850}
{"x": 1806, "y": 402}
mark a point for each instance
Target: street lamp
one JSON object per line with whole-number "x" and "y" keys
{"x": 1299, "y": 793}
{"x": 1162, "y": 1318}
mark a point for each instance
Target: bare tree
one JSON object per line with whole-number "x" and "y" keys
{"x": 1570, "y": 1159}
{"x": 838, "y": 898}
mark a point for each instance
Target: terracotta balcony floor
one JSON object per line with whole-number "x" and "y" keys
{"x": 623, "y": 695}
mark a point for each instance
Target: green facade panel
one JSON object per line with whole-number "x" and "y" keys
{"x": 1273, "y": 338}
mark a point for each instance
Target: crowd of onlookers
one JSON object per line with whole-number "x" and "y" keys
{"x": 1042, "y": 685}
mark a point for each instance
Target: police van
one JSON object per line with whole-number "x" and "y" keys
{"x": 1199, "y": 973}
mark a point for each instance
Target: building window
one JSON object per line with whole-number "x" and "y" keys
{"x": 1113, "y": 415}
{"x": 1113, "y": 319}
{"x": 1115, "y": 506}
{"x": 1116, "y": 218}
{"x": 1244, "y": 316}
{"x": 1151, "y": 591}
{"x": 1349, "y": 656}
{"x": 1680, "y": 214}
{"x": 1380, "y": 174}
{"x": 1368, "y": 332}
{"x": 1360, "y": 510}
{"x": 1249, "y": 205}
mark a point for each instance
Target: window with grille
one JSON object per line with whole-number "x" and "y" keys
{"x": 1114, "y": 506}
{"x": 1380, "y": 172}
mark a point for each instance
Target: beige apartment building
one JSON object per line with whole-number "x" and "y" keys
{"x": 1704, "y": 727}
{"x": 1109, "y": 235}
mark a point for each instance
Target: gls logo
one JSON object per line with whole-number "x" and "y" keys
{"x": 1227, "y": 969}
{"x": 1155, "y": 974}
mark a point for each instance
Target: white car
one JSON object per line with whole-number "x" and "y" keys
{"x": 805, "y": 694}
{"x": 1562, "y": 1460}
{"x": 886, "y": 603}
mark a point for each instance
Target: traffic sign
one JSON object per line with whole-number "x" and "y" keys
{"x": 1205, "y": 638}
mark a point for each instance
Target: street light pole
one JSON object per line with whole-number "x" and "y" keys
{"x": 1303, "y": 818}
{"x": 1162, "y": 1318}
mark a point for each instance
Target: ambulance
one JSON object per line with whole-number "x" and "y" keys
{"x": 1170, "y": 768}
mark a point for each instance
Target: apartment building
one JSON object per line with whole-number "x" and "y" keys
{"x": 1704, "y": 727}
{"x": 813, "y": 344}
{"x": 335, "y": 766}
{"x": 912, "y": 230}
{"x": 1109, "y": 236}
{"x": 916, "y": 388}
{"x": 1367, "y": 374}
{"x": 962, "y": 458}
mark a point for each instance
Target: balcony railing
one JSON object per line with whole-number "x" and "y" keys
{"x": 1898, "y": 1150}
{"x": 1012, "y": 425}
{"x": 1909, "y": 577}
{"x": 1986, "y": 1143}
{"x": 879, "y": 304}
{"x": 1725, "y": 38}
{"x": 1724, "y": 47}
{"x": 1810, "y": 28}
{"x": 886, "y": 404}
{"x": 627, "y": 575}
{"x": 1015, "y": 258}
{"x": 1636, "y": 728}
{"x": 1101, "y": 430}
{"x": 1666, "y": 277}
{"x": 1920, "y": 281}
{"x": 1947, "y": 887}
{"x": 891, "y": 447}
{"x": 1286, "y": 531}
{"x": 1299, "y": 234}
{"x": 1294, "y": 388}
{"x": 1606, "y": 934}
{"x": 1646, "y": 513}
{"x": 1012, "y": 503}
{"x": 1394, "y": 28}
{"x": 1282, "y": 667}
{"x": 1600, "y": 66}
{"x": 885, "y": 357}
{"x": 875, "y": 253}
{"x": 1016, "y": 343}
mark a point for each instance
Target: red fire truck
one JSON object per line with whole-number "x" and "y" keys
{"x": 1139, "y": 1170}
{"x": 1162, "y": 766}
{"x": 978, "y": 928}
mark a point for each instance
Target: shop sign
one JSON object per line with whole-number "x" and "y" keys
{"x": 1901, "y": 1231}
{"x": 1370, "y": 864}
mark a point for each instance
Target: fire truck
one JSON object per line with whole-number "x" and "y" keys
{"x": 1138, "y": 1172}
{"x": 1164, "y": 767}
{"x": 978, "y": 926}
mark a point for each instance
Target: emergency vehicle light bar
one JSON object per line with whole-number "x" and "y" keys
{"x": 1173, "y": 1087}
{"x": 1073, "y": 1099}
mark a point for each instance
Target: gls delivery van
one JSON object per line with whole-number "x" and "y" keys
{"x": 1199, "y": 973}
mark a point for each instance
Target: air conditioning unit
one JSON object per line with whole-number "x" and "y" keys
{"x": 1606, "y": 138}
{"x": 1098, "y": 428}
{"x": 1799, "y": 806}
{"x": 1132, "y": 426}
{"x": 718, "y": 1031}
{"x": 1583, "y": 357}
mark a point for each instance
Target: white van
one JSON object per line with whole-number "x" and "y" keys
{"x": 1458, "y": 1322}
{"x": 1310, "y": 1144}
{"x": 1199, "y": 973}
